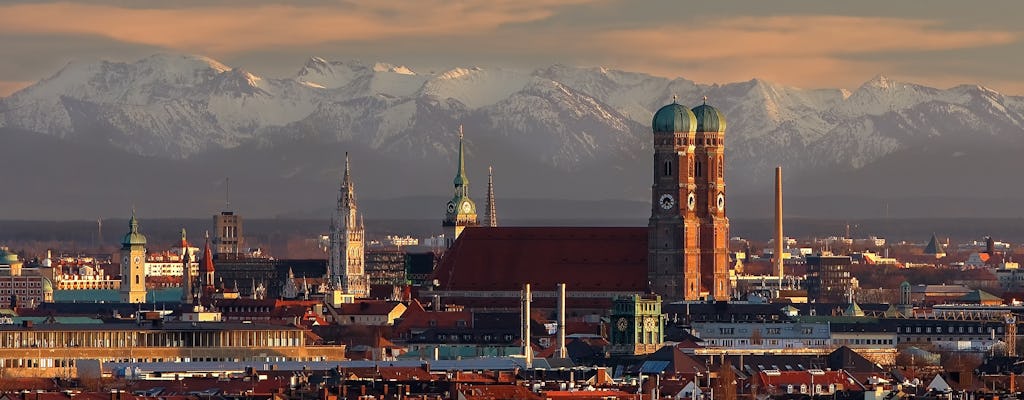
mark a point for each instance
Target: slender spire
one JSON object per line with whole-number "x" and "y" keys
{"x": 347, "y": 197}
{"x": 133, "y": 224}
{"x": 461, "y": 181}
{"x": 491, "y": 217}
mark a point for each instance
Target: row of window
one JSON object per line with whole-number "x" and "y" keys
{"x": 951, "y": 329}
{"x": 20, "y": 291}
{"x": 34, "y": 283}
{"x": 694, "y": 142}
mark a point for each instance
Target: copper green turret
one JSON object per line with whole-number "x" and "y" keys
{"x": 461, "y": 210}
{"x": 133, "y": 237}
{"x": 461, "y": 180}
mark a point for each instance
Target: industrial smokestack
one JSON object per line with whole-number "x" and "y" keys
{"x": 562, "y": 352}
{"x": 527, "y": 349}
{"x": 778, "y": 226}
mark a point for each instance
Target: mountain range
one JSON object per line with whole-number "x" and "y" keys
{"x": 163, "y": 133}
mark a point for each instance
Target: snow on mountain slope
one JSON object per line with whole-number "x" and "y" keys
{"x": 476, "y": 87}
{"x": 566, "y": 118}
{"x": 323, "y": 74}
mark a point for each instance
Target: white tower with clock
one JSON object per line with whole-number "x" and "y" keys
{"x": 133, "y": 264}
{"x": 460, "y": 212}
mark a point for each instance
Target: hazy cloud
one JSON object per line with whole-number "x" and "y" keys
{"x": 226, "y": 29}
{"x": 802, "y": 50}
{"x": 933, "y": 44}
{"x": 8, "y": 87}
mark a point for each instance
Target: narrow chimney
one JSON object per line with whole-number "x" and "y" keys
{"x": 527, "y": 349}
{"x": 562, "y": 353}
{"x": 778, "y": 226}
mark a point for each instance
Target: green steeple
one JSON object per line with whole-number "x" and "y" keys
{"x": 461, "y": 181}
{"x": 461, "y": 204}
{"x": 133, "y": 237}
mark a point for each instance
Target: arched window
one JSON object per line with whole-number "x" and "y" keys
{"x": 699, "y": 168}
{"x": 136, "y": 279}
{"x": 668, "y": 168}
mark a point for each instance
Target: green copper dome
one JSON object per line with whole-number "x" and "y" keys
{"x": 674, "y": 118}
{"x": 7, "y": 257}
{"x": 47, "y": 286}
{"x": 133, "y": 237}
{"x": 709, "y": 119}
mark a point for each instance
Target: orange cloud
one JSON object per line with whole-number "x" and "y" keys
{"x": 8, "y": 87}
{"x": 800, "y": 50}
{"x": 223, "y": 29}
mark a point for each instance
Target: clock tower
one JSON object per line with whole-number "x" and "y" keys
{"x": 673, "y": 258}
{"x": 710, "y": 187}
{"x": 133, "y": 264}
{"x": 637, "y": 325}
{"x": 460, "y": 212}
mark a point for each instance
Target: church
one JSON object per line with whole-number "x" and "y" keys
{"x": 682, "y": 254}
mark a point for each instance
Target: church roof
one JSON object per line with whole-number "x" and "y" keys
{"x": 207, "y": 265}
{"x": 979, "y": 296}
{"x": 934, "y": 247}
{"x": 587, "y": 258}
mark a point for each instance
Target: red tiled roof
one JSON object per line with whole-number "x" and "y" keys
{"x": 490, "y": 392}
{"x": 589, "y": 395}
{"x": 797, "y": 378}
{"x": 416, "y": 317}
{"x": 504, "y": 258}
{"x": 367, "y": 307}
{"x": 207, "y": 265}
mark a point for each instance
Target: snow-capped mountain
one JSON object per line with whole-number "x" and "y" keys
{"x": 558, "y": 120}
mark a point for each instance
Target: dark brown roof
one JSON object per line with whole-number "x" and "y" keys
{"x": 588, "y": 258}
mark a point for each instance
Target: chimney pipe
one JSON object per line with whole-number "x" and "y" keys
{"x": 527, "y": 349}
{"x": 562, "y": 353}
{"x": 778, "y": 226}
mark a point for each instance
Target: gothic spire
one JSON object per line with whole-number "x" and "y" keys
{"x": 491, "y": 215}
{"x": 347, "y": 197}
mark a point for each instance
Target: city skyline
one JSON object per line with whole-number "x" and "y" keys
{"x": 798, "y": 43}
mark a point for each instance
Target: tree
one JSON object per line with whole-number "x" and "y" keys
{"x": 725, "y": 388}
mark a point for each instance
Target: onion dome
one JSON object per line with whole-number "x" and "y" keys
{"x": 133, "y": 237}
{"x": 709, "y": 119}
{"x": 674, "y": 118}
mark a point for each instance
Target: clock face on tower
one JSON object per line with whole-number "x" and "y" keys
{"x": 466, "y": 207}
{"x": 623, "y": 324}
{"x": 650, "y": 323}
{"x": 451, "y": 207}
{"x": 667, "y": 201}
{"x": 721, "y": 201}
{"x": 126, "y": 260}
{"x": 691, "y": 201}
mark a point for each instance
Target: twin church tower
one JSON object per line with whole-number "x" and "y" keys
{"x": 688, "y": 232}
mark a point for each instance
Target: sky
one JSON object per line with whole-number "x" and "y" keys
{"x": 810, "y": 44}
